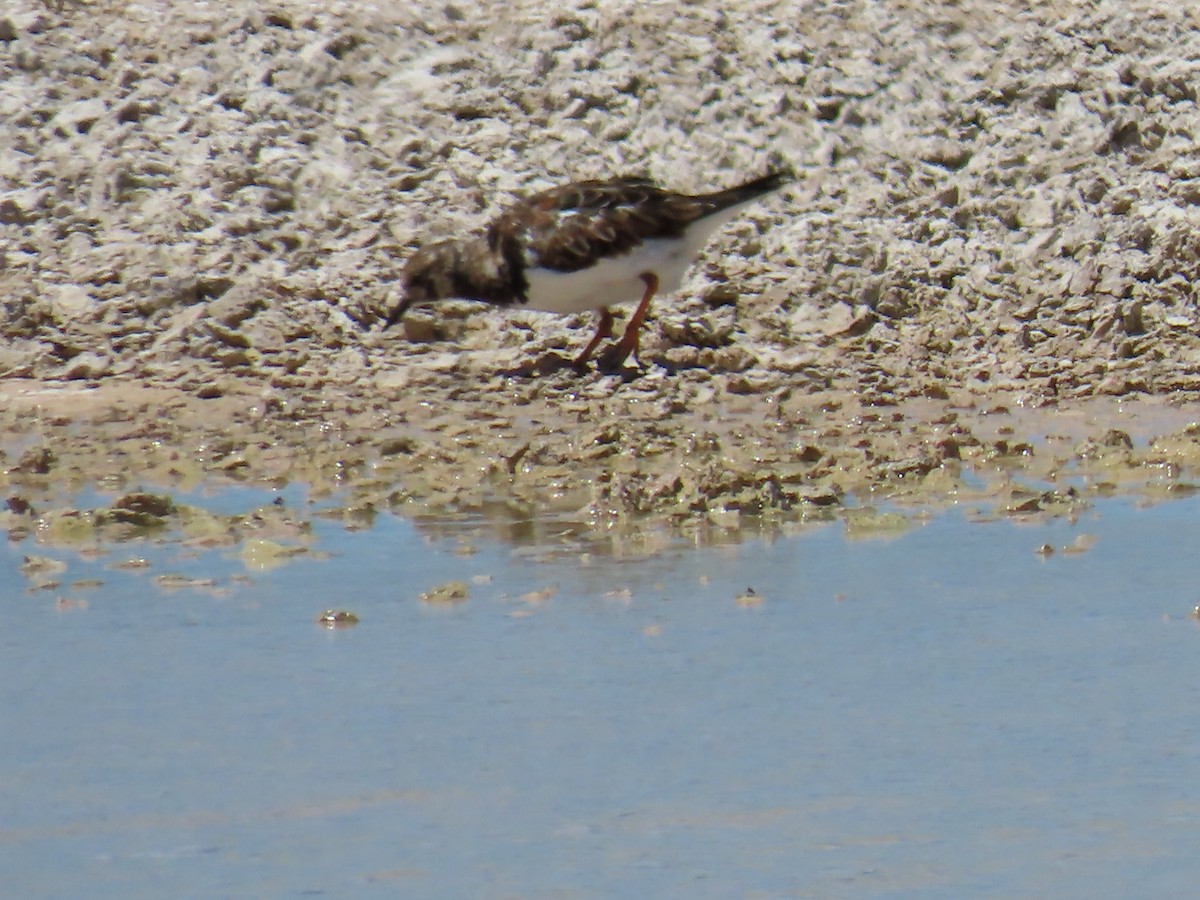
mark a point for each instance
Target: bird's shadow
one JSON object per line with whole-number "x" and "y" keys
{"x": 555, "y": 363}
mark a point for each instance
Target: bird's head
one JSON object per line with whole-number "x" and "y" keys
{"x": 428, "y": 276}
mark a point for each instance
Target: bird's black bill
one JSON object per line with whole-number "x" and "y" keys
{"x": 396, "y": 314}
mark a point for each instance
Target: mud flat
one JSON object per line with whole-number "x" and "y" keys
{"x": 560, "y": 467}
{"x": 981, "y": 290}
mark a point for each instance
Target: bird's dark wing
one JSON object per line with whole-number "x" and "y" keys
{"x": 571, "y": 227}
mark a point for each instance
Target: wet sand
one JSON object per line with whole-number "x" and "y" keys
{"x": 627, "y": 474}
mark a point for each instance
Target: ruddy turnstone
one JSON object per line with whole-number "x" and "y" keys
{"x": 587, "y": 245}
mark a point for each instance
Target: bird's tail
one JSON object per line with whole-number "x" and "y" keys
{"x": 744, "y": 193}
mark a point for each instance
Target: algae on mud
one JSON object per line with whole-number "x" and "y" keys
{"x": 524, "y": 475}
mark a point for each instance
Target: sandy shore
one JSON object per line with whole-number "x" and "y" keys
{"x": 981, "y": 290}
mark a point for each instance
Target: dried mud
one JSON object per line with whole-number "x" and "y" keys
{"x": 981, "y": 292}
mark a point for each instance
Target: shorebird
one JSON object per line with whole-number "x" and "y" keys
{"x": 586, "y": 245}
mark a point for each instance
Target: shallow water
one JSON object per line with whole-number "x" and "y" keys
{"x": 942, "y": 713}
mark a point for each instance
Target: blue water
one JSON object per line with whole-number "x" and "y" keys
{"x": 942, "y": 714}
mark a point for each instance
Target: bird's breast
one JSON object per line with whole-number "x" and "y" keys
{"x": 612, "y": 280}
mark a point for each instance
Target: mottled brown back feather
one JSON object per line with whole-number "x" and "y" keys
{"x": 567, "y": 229}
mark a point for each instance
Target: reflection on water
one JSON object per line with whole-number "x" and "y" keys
{"x": 947, "y": 710}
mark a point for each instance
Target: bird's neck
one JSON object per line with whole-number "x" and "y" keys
{"x": 480, "y": 273}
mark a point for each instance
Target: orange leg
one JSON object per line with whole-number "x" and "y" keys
{"x": 603, "y": 331}
{"x": 629, "y": 341}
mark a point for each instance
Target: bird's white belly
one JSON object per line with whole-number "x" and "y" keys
{"x": 611, "y": 281}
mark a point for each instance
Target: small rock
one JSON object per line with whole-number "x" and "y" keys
{"x": 1037, "y": 213}
{"x": 158, "y": 505}
{"x": 72, "y": 302}
{"x": 539, "y": 596}
{"x": 42, "y": 565}
{"x": 35, "y": 461}
{"x": 422, "y": 329}
{"x": 337, "y": 618}
{"x": 1114, "y": 437}
{"x": 748, "y": 598}
{"x": 450, "y": 592}
{"x": 11, "y": 213}
{"x": 87, "y": 366}
{"x": 397, "y": 446}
